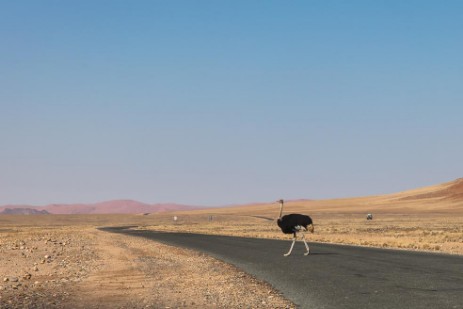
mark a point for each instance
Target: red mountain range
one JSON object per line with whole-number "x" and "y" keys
{"x": 108, "y": 207}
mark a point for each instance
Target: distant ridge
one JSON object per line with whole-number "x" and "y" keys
{"x": 449, "y": 191}
{"x": 107, "y": 207}
{"x": 23, "y": 211}
{"x": 445, "y": 197}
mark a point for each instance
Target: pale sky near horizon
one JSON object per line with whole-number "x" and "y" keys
{"x": 227, "y": 102}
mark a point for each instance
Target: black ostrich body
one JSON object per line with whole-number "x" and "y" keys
{"x": 293, "y": 223}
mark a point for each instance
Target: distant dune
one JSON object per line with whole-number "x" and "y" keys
{"x": 108, "y": 207}
{"x": 445, "y": 198}
{"x": 450, "y": 191}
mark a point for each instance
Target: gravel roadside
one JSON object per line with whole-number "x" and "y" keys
{"x": 80, "y": 267}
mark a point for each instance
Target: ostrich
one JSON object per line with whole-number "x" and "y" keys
{"x": 294, "y": 223}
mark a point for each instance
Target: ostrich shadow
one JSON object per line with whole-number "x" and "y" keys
{"x": 323, "y": 253}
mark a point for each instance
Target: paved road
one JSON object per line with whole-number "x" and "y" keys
{"x": 335, "y": 276}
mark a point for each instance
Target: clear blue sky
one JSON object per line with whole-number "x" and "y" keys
{"x": 225, "y": 102}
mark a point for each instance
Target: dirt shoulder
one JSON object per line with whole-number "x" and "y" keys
{"x": 81, "y": 267}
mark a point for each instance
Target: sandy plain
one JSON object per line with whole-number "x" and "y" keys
{"x": 63, "y": 261}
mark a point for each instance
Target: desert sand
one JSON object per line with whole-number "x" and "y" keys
{"x": 63, "y": 261}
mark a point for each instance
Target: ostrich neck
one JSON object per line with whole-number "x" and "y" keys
{"x": 281, "y": 210}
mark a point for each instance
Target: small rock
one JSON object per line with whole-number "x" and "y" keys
{"x": 6, "y": 279}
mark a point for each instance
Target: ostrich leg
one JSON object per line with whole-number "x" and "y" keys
{"x": 292, "y": 245}
{"x": 306, "y": 245}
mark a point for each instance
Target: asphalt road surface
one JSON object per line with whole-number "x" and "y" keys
{"x": 335, "y": 276}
